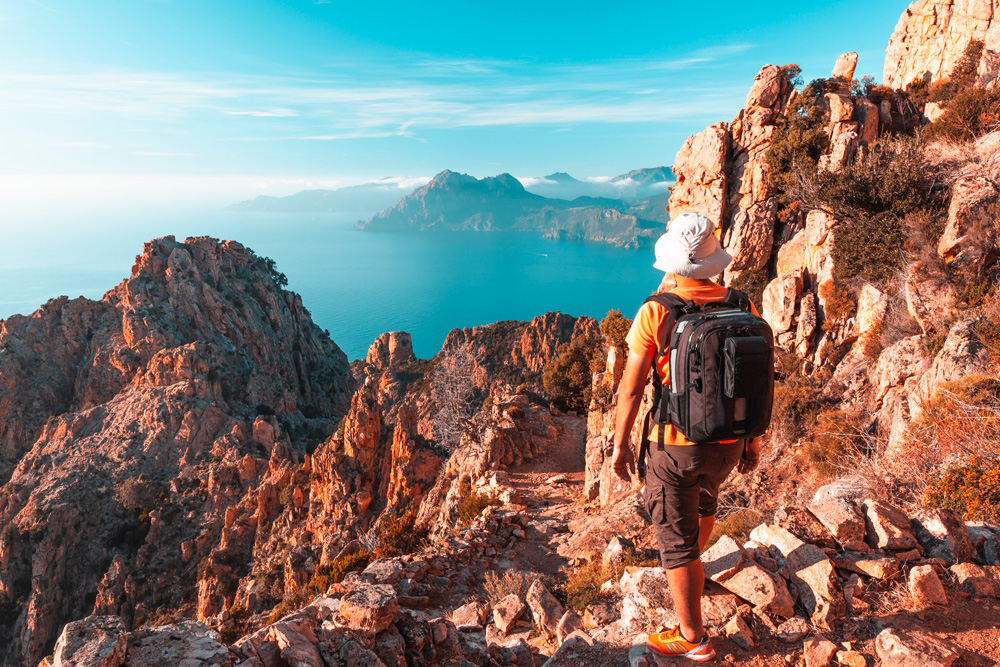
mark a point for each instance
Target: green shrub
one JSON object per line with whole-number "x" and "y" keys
{"x": 753, "y": 282}
{"x": 136, "y": 494}
{"x": 870, "y": 200}
{"x": 334, "y": 572}
{"x": 287, "y": 496}
{"x": 567, "y": 376}
{"x": 838, "y": 304}
{"x": 515, "y": 412}
{"x": 401, "y": 535}
{"x": 583, "y": 583}
{"x": 798, "y": 141}
{"x": 973, "y": 490}
{"x": 970, "y": 115}
{"x": 473, "y": 504}
{"x": 796, "y": 402}
{"x": 614, "y": 328}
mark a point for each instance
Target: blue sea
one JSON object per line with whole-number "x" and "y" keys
{"x": 356, "y": 284}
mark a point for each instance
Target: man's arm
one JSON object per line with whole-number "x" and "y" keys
{"x": 630, "y": 391}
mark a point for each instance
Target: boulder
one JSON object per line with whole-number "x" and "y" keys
{"x": 370, "y": 608}
{"x": 843, "y": 69}
{"x": 518, "y": 655}
{"x": 851, "y": 658}
{"x": 545, "y": 608}
{"x": 780, "y": 297}
{"x": 942, "y": 534}
{"x": 793, "y": 630}
{"x": 508, "y": 612}
{"x": 980, "y": 581}
{"x": 183, "y": 644}
{"x": 739, "y": 632}
{"x": 810, "y": 573}
{"x": 646, "y": 600}
{"x": 900, "y": 648}
{"x": 390, "y": 647}
{"x": 805, "y": 526}
{"x": 873, "y": 565}
{"x": 475, "y": 612}
{"x": 601, "y": 613}
{"x": 842, "y": 518}
{"x": 925, "y": 586}
{"x": 568, "y": 624}
{"x": 296, "y": 648}
{"x": 95, "y": 641}
{"x": 818, "y": 651}
{"x": 619, "y": 549}
{"x": 887, "y": 526}
{"x": 727, "y": 564}
{"x": 985, "y": 538}
{"x": 968, "y": 211}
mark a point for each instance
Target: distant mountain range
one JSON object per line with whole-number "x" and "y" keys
{"x": 360, "y": 199}
{"x": 636, "y": 184}
{"x": 458, "y": 202}
{"x": 368, "y": 198}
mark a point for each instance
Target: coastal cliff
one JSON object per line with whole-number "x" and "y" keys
{"x": 194, "y": 472}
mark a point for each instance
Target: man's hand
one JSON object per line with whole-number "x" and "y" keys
{"x": 751, "y": 456}
{"x": 624, "y": 462}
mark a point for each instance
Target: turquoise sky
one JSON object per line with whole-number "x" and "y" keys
{"x": 280, "y": 95}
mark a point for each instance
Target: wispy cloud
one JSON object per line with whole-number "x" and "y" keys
{"x": 79, "y": 144}
{"x": 161, "y": 154}
{"x": 272, "y": 113}
{"x": 383, "y": 99}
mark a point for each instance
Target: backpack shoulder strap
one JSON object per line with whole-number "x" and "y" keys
{"x": 675, "y": 306}
{"x": 738, "y": 298}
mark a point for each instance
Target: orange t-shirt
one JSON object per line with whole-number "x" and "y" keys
{"x": 645, "y": 334}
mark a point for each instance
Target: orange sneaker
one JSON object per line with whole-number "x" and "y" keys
{"x": 672, "y": 644}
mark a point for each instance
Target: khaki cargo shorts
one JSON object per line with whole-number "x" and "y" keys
{"x": 682, "y": 485}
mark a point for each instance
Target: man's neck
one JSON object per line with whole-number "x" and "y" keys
{"x": 683, "y": 281}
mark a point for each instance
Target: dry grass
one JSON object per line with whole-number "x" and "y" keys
{"x": 508, "y": 582}
{"x": 736, "y": 525}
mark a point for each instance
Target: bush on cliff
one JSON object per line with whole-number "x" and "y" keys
{"x": 972, "y": 490}
{"x": 400, "y": 535}
{"x": 970, "y": 115}
{"x": 614, "y": 328}
{"x": 567, "y": 376}
{"x": 454, "y": 395}
{"x": 871, "y": 200}
{"x": 798, "y": 141}
{"x": 473, "y": 504}
{"x": 335, "y": 571}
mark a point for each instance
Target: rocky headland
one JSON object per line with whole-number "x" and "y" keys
{"x": 458, "y": 202}
{"x": 194, "y": 474}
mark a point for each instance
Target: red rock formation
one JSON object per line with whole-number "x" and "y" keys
{"x": 127, "y": 428}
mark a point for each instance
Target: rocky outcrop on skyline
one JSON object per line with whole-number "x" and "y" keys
{"x": 458, "y": 202}
{"x": 932, "y": 35}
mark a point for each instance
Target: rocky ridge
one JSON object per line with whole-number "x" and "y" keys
{"x": 932, "y": 35}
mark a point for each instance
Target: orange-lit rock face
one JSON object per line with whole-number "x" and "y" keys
{"x": 160, "y": 382}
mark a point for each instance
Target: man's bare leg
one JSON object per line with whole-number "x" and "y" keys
{"x": 686, "y": 583}
{"x": 705, "y": 526}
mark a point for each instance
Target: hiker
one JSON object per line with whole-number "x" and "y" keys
{"x": 683, "y": 478}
